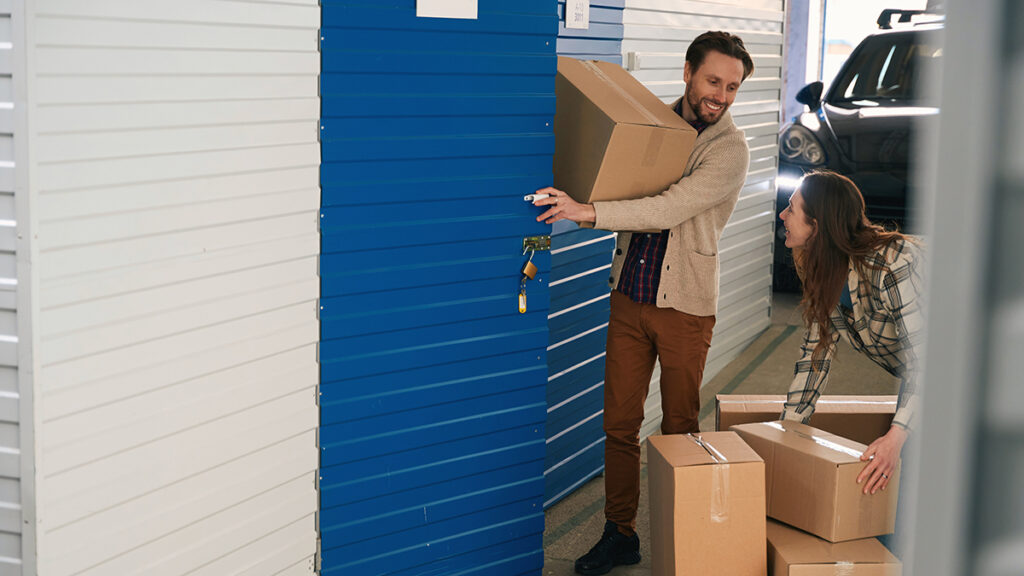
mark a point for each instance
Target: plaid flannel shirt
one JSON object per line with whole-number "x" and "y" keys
{"x": 886, "y": 324}
{"x": 641, "y": 271}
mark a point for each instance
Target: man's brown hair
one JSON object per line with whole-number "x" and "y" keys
{"x": 724, "y": 42}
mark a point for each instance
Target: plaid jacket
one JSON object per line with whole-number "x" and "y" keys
{"x": 886, "y": 324}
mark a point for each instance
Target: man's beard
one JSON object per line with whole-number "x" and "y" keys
{"x": 695, "y": 107}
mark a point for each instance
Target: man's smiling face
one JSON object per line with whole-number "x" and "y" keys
{"x": 711, "y": 89}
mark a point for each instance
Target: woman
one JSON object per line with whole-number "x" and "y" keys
{"x": 864, "y": 283}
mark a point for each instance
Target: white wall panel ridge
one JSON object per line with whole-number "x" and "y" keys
{"x": 17, "y": 528}
{"x": 656, "y": 34}
{"x": 174, "y": 192}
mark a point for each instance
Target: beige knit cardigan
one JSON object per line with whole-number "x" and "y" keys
{"x": 694, "y": 211}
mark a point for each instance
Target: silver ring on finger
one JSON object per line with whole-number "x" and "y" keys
{"x": 884, "y": 475}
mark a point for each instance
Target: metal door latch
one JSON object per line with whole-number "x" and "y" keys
{"x": 536, "y": 244}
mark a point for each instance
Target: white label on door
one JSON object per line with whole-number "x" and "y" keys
{"x": 577, "y": 14}
{"x": 447, "y": 9}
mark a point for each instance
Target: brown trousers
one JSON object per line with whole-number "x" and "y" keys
{"x": 637, "y": 335}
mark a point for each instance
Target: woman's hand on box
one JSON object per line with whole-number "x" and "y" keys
{"x": 563, "y": 207}
{"x": 883, "y": 455}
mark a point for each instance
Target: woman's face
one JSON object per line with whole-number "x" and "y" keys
{"x": 798, "y": 230}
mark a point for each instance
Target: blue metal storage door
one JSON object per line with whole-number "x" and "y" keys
{"x": 432, "y": 383}
{"x": 578, "y": 322}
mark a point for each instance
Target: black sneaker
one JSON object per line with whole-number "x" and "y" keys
{"x": 613, "y": 549}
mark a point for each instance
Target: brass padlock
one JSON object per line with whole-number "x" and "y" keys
{"x": 529, "y": 270}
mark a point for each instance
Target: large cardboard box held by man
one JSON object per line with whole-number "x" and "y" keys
{"x": 863, "y": 419}
{"x": 795, "y": 553}
{"x": 811, "y": 480}
{"x": 707, "y": 506}
{"x": 614, "y": 139}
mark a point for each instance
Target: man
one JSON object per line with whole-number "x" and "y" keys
{"x": 665, "y": 284}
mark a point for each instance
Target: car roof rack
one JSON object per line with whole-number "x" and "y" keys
{"x": 885, "y": 18}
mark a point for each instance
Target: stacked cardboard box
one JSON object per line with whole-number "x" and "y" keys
{"x": 710, "y": 495}
{"x": 811, "y": 482}
{"x": 795, "y": 553}
{"x": 811, "y": 485}
{"x": 860, "y": 418}
{"x": 707, "y": 506}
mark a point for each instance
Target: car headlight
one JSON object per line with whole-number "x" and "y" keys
{"x": 799, "y": 146}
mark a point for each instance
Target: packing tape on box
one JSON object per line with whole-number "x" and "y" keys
{"x": 653, "y": 148}
{"x": 830, "y": 401}
{"x": 866, "y": 513}
{"x": 874, "y": 402}
{"x": 867, "y": 510}
{"x": 719, "y": 493}
{"x": 629, "y": 98}
{"x": 719, "y": 481}
{"x": 844, "y": 569}
{"x": 819, "y": 440}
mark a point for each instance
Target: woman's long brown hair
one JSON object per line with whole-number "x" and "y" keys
{"x": 834, "y": 207}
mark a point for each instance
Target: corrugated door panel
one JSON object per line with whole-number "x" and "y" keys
{"x": 580, "y": 262}
{"x": 10, "y": 391}
{"x": 656, "y": 35}
{"x": 432, "y": 384}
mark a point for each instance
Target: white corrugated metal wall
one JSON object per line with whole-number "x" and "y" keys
{"x": 174, "y": 197}
{"x": 655, "y": 37}
{"x": 10, "y": 409}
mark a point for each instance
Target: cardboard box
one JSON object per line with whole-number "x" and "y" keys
{"x": 811, "y": 479}
{"x": 614, "y": 139}
{"x": 795, "y": 553}
{"x": 860, "y": 418}
{"x": 707, "y": 505}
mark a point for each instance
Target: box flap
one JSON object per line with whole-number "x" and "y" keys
{"x": 800, "y": 548}
{"x": 808, "y": 440}
{"x": 618, "y": 94}
{"x": 681, "y": 450}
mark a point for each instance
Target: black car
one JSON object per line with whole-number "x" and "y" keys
{"x": 863, "y": 127}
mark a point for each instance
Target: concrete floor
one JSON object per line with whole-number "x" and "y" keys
{"x": 766, "y": 367}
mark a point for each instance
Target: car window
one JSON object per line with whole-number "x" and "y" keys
{"x": 886, "y": 71}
